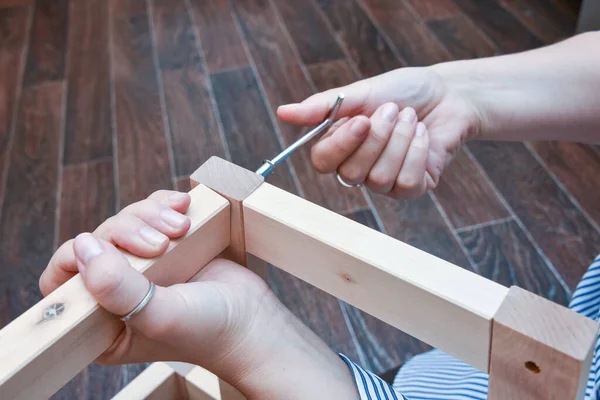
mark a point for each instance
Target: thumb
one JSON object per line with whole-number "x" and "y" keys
{"x": 315, "y": 109}
{"x": 119, "y": 288}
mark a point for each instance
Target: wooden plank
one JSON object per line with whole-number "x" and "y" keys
{"x": 47, "y": 47}
{"x": 435, "y": 9}
{"x": 508, "y": 33}
{"x": 222, "y": 45}
{"x": 384, "y": 346}
{"x": 360, "y": 266}
{"x": 462, "y": 38}
{"x": 88, "y": 134}
{"x": 540, "y": 350}
{"x": 419, "y": 223}
{"x": 202, "y": 385}
{"x": 193, "y": 124}
{"x": 466, "y": 196}
{"x": 13, "y": 24}
{"x": 365, "y": 44}
{"x": 143, "y": 159}
{"x": 411, "y": 37}
{"x": 285, "y": 82}
{"x": 157, "y": 382}
{"x": 556, "y": 225}
{"x": 576, "y": 166}
{"x": 502, "y": 253}
{"x": 28, "y": 212}
{"x": 81, "y": 331}
{"x": 235, "y": 184}
{"x": 249, "y": 131}
{"x": 309, "y": 31}
{"x": 546, "y": 18}
{"x": 589, "y": 17}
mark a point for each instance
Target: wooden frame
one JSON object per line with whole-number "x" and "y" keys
{"x": 532, "y": 348}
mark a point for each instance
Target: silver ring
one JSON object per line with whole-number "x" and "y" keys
{"x": 138, "y": 309}
{"x": 345, "y": 184}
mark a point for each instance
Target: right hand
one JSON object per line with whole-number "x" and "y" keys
{"x": 390, "y": 158}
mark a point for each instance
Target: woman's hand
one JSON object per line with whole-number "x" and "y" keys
{"x": 378, "y": 141}
{"x": 225, "y": 318}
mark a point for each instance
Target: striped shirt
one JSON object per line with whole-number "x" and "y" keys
{"x": 435, "y": 375}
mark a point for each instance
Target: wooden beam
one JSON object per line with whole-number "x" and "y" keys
{"x": 54, "y": 340}
{"x": 157, "y": 382}
{"x": 540, "y": 350}
{"x": 204, "y": 385}
{"x": 235, "y": 184}
{"x": 437, "y": 302}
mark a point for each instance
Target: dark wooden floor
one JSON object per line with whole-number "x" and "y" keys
{"x": 103, "y": 102}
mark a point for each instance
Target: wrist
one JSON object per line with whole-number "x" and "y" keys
{"x": 280, "y": 356}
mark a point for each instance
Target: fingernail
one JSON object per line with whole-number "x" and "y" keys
{"x": 152, "y": 236}
{"x": 408, "y": 115}
{"x": 421, "y": 130}
{"x": 389, "y": 112}
{"x": 172, "y": 217}
{"x": 176, "y": 197}
{"x": 87, "y": 247}
{"x": 289, "y": 105}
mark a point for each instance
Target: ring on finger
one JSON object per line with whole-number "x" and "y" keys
{"x": 346, "y": 184}
{"x": 138, "y": 309}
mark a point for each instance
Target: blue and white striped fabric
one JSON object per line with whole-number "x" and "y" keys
{"x": 437, "y": 376}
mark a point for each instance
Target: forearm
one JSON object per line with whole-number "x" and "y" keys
{"x": 552, "y": 93}
{"x": 284, "y": 359}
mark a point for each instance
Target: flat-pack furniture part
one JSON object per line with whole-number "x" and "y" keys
{"x": 532, "y": 348}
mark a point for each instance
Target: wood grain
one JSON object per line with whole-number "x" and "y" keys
{"x": 507, "y": 32}
{"x": 411, "y": 37}
{"x": 365, "y": 44}
{"x": 546, "y": 18}
{"x": 462, "y": 38}
{"x": 466, "y": 196}
{"x": 284, "y": 82}
{"x": 540, "y": 350}
{"x": 309, "y": 31}
{"x": 503, "y": 254}
{"x": 158, "y": 382}
{"x": 576, "y": 166}
{"x": 384, "y": 346}
{"x": 193, "y": 124}
{"x": 420, "y": 224}
{"x": 248, "y": 128}
{"x": 143, "y": 158}
{"x": 13, "y": 26}
{"x": 361, "y": 266}
{"x": 88, "y": 134}
{"x": 87, "y": 198}
{"x": 47, "y": 47}
{"x": 435, "y": 9}
{"x": 27, "y": 226}
{"x": 564, "y": 235}
{"x": 83, "y": 330}
{"x": 223, "y": 47}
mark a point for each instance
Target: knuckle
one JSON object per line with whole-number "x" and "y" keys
{"x": 379, "y": 137}
{"x": 105, "y": 284}
{"x": 352, "y": 173}
{"x": 407, "y": 183}
{"x": 319, "y": 162}
{"x": 381, "y": 180}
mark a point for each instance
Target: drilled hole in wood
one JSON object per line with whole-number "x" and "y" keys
{"x": 530, "y": 365}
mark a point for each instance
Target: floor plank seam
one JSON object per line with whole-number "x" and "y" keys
{"x": 113, "y": 109}
{"x": 535, "y": 245}
{"x": 484, "y": 224}
{"x": 562, "y": 187}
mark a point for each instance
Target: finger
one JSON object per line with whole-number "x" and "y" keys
{"x": 119, "y": 288}
{"x": 61, "y": 268}
{"x": 133, "y": 234}
{"x": 331, "y": 151}
{"x": 383, "y": 175}
{"x": 178, "y": 201}
{"x": 161, "y": 217}
{"x": 356, "y": 168}
{"x": 412, "y": 181}
{"x": 316, "y": 108}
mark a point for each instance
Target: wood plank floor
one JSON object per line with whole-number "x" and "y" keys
{"x": 104, "y": 101}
